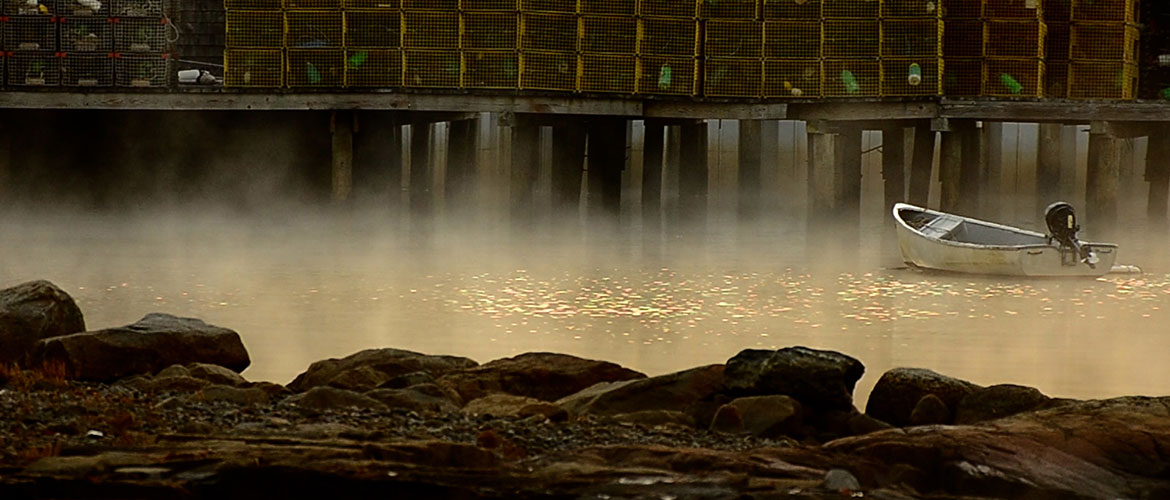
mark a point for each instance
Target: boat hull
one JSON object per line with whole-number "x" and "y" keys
{"x": 1009, "y": 260}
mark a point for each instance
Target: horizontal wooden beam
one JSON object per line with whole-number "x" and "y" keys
{"x": 867, "y": 110}
{"x": 1050, "y": 111}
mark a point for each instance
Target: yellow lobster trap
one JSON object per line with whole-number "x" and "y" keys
{"x": 1102, "y": 80}
{"x": 254, "y": 68}
{"x": 373, "y": 67}
{"x": 792, "y": 78}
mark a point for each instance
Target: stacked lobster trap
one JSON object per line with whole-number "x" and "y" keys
{"x": 912, "y": 39}
{"x": 85, "y": 43}
{"x": 792, "y": 48}
{"x": 1103, "y": 49}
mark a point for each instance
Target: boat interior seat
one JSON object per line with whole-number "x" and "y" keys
{"x": 942, "y": 226}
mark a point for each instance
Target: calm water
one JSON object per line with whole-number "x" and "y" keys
{"x": 299, "y": 289}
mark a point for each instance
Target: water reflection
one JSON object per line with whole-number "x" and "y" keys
{"x": 304, "y": 288}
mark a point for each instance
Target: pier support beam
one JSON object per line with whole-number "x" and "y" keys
{"x": 822, "y": 175}
{"x": 849, "y": 178}
{"x": 653, "y": 149}
{"x": 960, "y": 167}
{"x": 693, "y": 174}
{"x": 750, "y": 162}
{"x": 893, "y": 168}
{"x": 1103, "y": 177}
{"x": 524, "y": 170}
{"x": 1157, "y": 174}
{"x": 993, "y": 170}
{"x": 420, "y": 169}
{"x": 341, "y": 125}
{"x": 1048, "y": 172}
{"x": 458, "y": 185}
{"x": 607, "y": 159}
{"x": 568, "y": 162}
{"x": 922, "y": 162}
{"x": 5, "y": 154}
{"x": 377, "y": 156}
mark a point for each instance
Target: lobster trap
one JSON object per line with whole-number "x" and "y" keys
{"x": 1057, "y": 11}
{"x": 154, "y": 8}
{"x": 231, "y": 5}
{"x": 667, "y": 75}
{"x": 912, "y": 37}
{"x": 439, "y": 5}
{"x": 792, "y": 39}
{"x": 548, "y": 32}
{"x": 142, "y": 70}
{"x": 381, "y": 29}
{"x": 373, "y": 68}
{"x": 1102, "y": 80}
{"x": 792, "y": 78}
{"x": 1013, "y": 9}
{"x": 609, "y": 35}
{"x": 961, "y": 9}
{"x": 851, "y": 38}
{"x": 1056, "y": 79}
{"x": 33, "y": 68}
{"x": 314, "y": 68}
{"x": 312, "y": 29}
{"x": 791, "y": 10}
{"x": 432, "y": 69}
{"x": 80, "y": 69}
{"x": 1058, "y": 43}
{"x": 550, "y": 71}
{"x": 962, "y": 38}
{"x": 489, "y": 30}
{"x": 912, "y": 9}
{"x": 850, "y": 9}
{"x": 86, "y": 34}
{"x": 609, "y": 7}
{"x": 734, "y": 39}
{"x": 140, "y": 35}
{"x": 484, "y": 69}
{"x": 560, "y": 6}
{"x": 76, "y": 8}
{"x": 855, "y": 77}
{"x": 730, "y": 9}
{"x": 1125, "y": 11}
{"x": 254, "y": 29}
{"x": 430, "y": 29}
{"x": 1013, "y": 77}
{"x": 1014, "y": 38}
{"x": 669, "y": 8}
{"x": 312, "y": 4}
{"x": 663, "y": 36}
{"x": 609, "y": 73}
{"x": 390, "y": 5}
{"x": 1104, "y": 41}
{"x": 733, "y": 77}
{"x": 258, "y": 68}
{"x": 912, "y": 77}
{"x": 962, "y": 77}
{"x": 30, "y": 33}
{"x": 490, "y": 5}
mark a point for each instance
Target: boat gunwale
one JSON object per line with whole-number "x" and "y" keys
{"x": 898, "y": 207}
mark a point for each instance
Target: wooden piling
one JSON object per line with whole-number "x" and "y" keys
{"x": 524, "y": 170}
{"x": 693, "y": 174}
{"x": 1102, "y": 179}
{"x": 568, "y": 163}
{"x": 770, "y": 175}
{"x": 1158, "y": 174}
{"x": 822, "y": 175}
{"x": 1048, "y": 168}
{"x": 607, "y": 159}
{"x": 377, "y": 156}
{"x": 341, "y": 124}
{"x": 922, "y": 162}
{"x": 420, "y": 169}
{"x": 5, "y": 153}
{"x": 652, "y": 155}
{"x": 893, "y": 168}
{"x": 848, "y": 158}
{"x": 993, "y": 168}
{"x": 749, "y": 178}
{"x": 971, "y": 172}
{"x": 950, "y": 170}
{"x": 458, "y": 185}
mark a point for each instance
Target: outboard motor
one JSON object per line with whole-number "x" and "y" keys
{"x": 1063, "y": 228}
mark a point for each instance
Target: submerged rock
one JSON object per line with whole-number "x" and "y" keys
{"x": 541, "y": 375}
{"x": 153, "y": 343}
{"x": 33, "y": 311}
{"x": 899, "y": 390}
{"x": 822, "y": 380}
{"x": 384, "y": 362}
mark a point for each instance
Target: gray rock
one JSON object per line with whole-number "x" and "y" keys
{"x": 428, "y": 398}
{"x": 216, "y": 374}
{"x": 234, "y": 395}
{"x": 389, "y": 362}
{"x": 153, "y": 343}
{"x": 540, "y": 375}
{"x": 680, "y": 391}
{"x": 769, "y": 416}
{"x": 840, "y": 480}
{"x": 33, "y": 311}
{"x": 930, "y": 410}
{"x": 898, "y": 391}
{"x": 332, "y": 398}
{"x": 999, "y": 401}
{"x": 823, "y": 380}
{"x": 174, "y": 371}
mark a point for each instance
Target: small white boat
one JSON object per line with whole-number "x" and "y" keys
{"x": 946, "y": 242}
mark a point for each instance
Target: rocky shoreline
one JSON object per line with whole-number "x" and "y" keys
{"x": 158, "y": 409}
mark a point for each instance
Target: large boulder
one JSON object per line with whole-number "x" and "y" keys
{"x": 683, "y": 391}
{"x": 899, "y": 390}
{"x": 373, "y": 367}
{"x": 153, "y": 343}
{"x": 821, "y": 380}
{"x": 33, "y": 311}
{"x": 998, "y": 401}
{"x": 769, "y": 416}
{"x": 540, "y": 375}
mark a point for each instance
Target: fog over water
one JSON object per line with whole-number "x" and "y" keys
{"x": 300, "y": 286}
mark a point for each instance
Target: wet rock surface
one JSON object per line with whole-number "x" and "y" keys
{"x": 192, "y": 431}
{"x": 33, "y": 311}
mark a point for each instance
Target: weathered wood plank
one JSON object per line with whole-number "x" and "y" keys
{"x": 750, "y": 162}
{"x": 1053, "y": 111}
{"x": 342, "y": 125}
